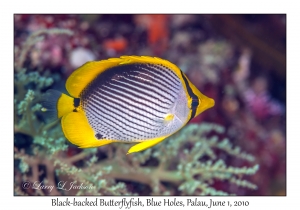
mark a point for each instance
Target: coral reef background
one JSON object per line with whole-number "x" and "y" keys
{"x": 238, "y": 147}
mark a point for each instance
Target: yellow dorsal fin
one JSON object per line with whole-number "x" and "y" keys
{"x": 79, "y": 132}
{"x": 82, "y": 76}
{"x": 152, "y": 60}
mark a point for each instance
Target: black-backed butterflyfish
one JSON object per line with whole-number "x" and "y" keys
{"x": 131, "y": 99}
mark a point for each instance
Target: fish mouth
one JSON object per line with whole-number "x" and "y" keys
{"x": 204, "y": 103}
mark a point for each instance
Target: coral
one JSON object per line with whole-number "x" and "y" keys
{"x": 157, "y": 30}
{"x": 188, "y": 163}
{"x": 21, "y": 52}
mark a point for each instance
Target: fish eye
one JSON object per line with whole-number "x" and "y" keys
{"x": 195, "y": 103}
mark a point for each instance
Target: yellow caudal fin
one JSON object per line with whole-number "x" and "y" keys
{"x": 145, "y": 145}
{"x": 56, "y": 104}
{"x": 79, "y": 132}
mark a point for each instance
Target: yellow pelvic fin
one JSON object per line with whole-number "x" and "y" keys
{"x": 65, "y": 105}
{"x": 79, "y": 132}
{"x": 145, "y": 145}
{"x": 82, "y": 76}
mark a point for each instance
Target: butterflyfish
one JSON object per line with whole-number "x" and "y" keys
{"x": 131, "y": 99}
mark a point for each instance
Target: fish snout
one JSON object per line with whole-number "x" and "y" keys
{"x": 204, "y": 104}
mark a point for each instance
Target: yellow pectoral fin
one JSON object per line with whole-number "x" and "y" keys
{"x": 145, "y": 145}
{"x": 168, "y": 118}
{"x": 79, "y": 132}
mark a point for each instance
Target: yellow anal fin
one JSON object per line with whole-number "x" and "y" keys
{"x": 145, "y": 145}
{"x": 79, "y": 132}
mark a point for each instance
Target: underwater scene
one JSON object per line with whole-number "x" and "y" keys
{"x": 149, "y": 104}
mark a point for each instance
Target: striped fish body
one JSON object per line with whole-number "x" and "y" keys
{"x": 127, "y": 99}
{"x": 131, "y": 103}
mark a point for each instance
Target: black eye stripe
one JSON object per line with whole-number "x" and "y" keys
{"x": 195, "y": 103}
{"x": 195, "y": 99}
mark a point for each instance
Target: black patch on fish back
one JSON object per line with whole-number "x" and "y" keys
{"x": 114, "y": 73}
{"x": 195, "y": 99}
{"x": 131, "y": 71}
